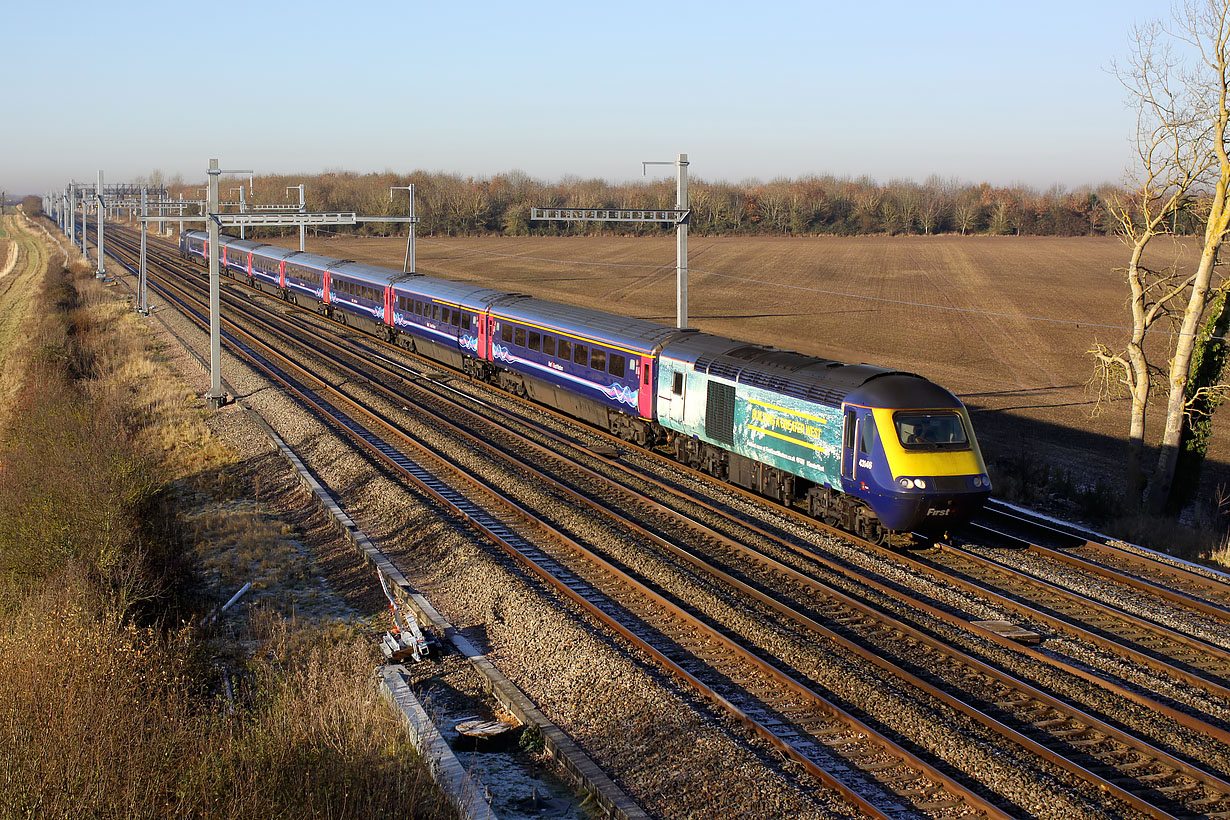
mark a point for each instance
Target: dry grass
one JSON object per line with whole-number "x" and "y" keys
{"x": 107, "y": 707}
{"x": 102, "y": 718}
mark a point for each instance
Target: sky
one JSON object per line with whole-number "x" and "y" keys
{"x": 986, "y": 90}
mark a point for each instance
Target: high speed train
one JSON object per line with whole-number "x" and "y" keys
{"x": 872, "y": 450}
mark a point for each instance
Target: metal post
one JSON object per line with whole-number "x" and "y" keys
{"x": 181, "y": 213}
{"x": 215, "y": 396}
{"x": 99, "y": 273}
{"x": 412, "y": 225}
{"x": 302, "y": 209}
{"x": 72, "y": 213}
{"x": 408, "y": 265}
{"x": 681, "y": 247}
{"x": 143, "y": 305}
{"x": 242, "y": 209}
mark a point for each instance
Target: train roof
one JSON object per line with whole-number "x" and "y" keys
{"x": 369, "y": 273}
{"x": 275, "y": 252}
{"x": 793, "y": 374}
{"x": 242, "y": 244}
{"x": 638, "y": 335}
{"x": 465, "y": 294}
{"x": 308, "y": 260}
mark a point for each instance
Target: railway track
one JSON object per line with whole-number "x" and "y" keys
{"x": 1182, "y": 584}
{"x": 785, "y": 712}
{"x": 1055, "y": 731}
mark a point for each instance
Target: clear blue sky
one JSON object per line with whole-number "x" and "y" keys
{"x": 979, "y": 90}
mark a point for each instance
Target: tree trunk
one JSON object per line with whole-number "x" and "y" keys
{"x": 1208, "y": 362}
{"x": 1180, "y": 365}
{"x": 1140, "y": 385}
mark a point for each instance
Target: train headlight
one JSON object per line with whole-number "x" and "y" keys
{"x": 908, "y": 483}
{"x": 920, "y": 484}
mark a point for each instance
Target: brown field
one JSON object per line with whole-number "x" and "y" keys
{"x": 967, "y": 312}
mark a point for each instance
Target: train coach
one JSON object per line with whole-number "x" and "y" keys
{"x": 872, "y": 450}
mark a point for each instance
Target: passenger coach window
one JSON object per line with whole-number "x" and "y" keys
{"x": 618, "y": 367}
{"x": 565, "y": 349}
{"x": 418, "y": 307}
{"x": 548, "y": 345}
{"x": 580, "y": 354}
{"x": 465, "y": 321}
{"x": 519, "y": 337}
{"x": 535, "y": 340}
{"x": 597, "y": 359}
{"x": 676, "y": 388}
{"x": 506, "y": 332}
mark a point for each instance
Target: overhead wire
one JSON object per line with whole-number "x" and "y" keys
{"x": 822, "y": 291}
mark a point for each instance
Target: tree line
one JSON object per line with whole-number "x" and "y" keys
{"x": 456, "y": 205}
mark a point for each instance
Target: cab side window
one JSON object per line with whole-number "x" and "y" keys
{"x": 867, "y": 440}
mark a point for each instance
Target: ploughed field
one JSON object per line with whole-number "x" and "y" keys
{"x": 965, "y": 312}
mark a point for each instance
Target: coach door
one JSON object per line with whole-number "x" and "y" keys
{"x": 644, "y": 394}
{"x": 672, "y": 384}
{"x": 484, "y": 328}
{"x": 849, "y": 436}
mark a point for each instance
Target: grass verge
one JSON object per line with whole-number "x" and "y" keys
{"x": 110, "y": 706}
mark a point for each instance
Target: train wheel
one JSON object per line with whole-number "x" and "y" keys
{"x": 872, "y": 530}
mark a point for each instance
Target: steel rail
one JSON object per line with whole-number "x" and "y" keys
{"x": 1182, "y": 599}
{"x": 1030, "y": 692}
{"x": 1070, "y": 556}
{"x": 1046, "y": 590}
{"x": 1185, "y": 719}
{"x": 1032, "y": 695}
{"x": 585, "y": 602}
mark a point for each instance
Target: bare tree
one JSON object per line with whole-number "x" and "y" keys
{"x": 1205, "y": 26}
{"x": 966, "y": 211}
{"x": 1182, "y": 116}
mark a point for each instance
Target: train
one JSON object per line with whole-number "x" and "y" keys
{"x": 871, "y": 450}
